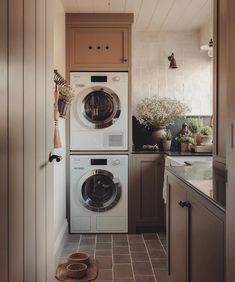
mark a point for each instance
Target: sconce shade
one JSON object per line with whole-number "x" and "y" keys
{"x": 172, "y": 62}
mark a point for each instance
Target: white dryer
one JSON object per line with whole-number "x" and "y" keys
{"x": 99, "y": 115}
{"x": 99, "y": 194}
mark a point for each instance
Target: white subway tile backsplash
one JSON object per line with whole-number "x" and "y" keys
{"x": 191, "y": 82}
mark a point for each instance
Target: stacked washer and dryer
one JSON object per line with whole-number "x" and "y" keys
{"x": 99, "y": 182}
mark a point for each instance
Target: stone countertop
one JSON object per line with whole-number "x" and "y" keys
{"x": 200, "y": 177}
{"x": 171, "y": 153}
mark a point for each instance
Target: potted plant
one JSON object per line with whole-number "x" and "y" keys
{"x": 185, "y": 143}
{"x": 166, "y": 141}
{"x": 195, "y": 125}
{"x": 206, "y": 134}
{"x": 157, "y": 112}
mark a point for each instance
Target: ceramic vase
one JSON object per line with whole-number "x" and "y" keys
{"x": 166, "y": 145}
{"x": 184, "y": 147}
{"x": 157, "y": 135}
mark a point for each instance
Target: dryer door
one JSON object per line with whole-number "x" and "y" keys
{"x": 100, "y": 190}
{"x": 98, "y": 107}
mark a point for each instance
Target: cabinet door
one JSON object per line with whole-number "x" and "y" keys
{"x": 98, "y": 47}
{"x": 148, "y": 174}
{"x": 207, "y": 243}
{"x": 177, "y": 217}
{"x": 220, "y": 81}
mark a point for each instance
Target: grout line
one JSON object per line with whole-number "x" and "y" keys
{"x": 161, "y": 244}
{"x": 112, "y": 257}
{"x": 128, "y": 242}
{"x": 149, "y": 259}
{"x": 95, "y": 246}
{"x": 79, "y": 242}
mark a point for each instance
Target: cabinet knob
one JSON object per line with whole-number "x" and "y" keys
{"x": 184, "y": 204}
{"x": 123, "y": 60}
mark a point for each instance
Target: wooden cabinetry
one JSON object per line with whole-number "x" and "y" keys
{"x": 95, "y": 43}
{"x": 195, "y": 235}
{"x": 146, "y": 188}
{"x": 220, "y": 81}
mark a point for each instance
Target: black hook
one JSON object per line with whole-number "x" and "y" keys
{"x": 54, "y": 157}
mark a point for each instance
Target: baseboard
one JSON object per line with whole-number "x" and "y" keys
{"x": 59, "y": 239}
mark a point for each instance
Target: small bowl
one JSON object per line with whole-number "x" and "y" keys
{"x": 79, "y": 258}
{"x": 76, "y": 270}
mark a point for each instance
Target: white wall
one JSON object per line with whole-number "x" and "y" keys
{"x": 206, "y": 33}
{"x": 60, "y": 222}
{"x": 191, "y": 82}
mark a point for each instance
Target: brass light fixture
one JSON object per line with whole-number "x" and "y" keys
{"x": 172, "y": 62}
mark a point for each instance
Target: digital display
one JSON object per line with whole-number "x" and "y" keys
{"x": 98, "y": 162}
{"x": 99, "y": 78}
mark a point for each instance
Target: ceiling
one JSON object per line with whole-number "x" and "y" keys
{"x": 150, "y": 15}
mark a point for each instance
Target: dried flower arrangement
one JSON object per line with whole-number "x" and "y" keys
{"x": 66, "y": 95}
{"x": 158, "y": 112}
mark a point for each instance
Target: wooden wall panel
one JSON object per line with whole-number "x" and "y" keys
{"x": 40, "y": 140}
{"x": 26, "y": 137}
{"x": 16, "y": 146}
{"x": 3, "y": 142}
{"x": 29, "y": 142}
{"x": 49, "y": 140}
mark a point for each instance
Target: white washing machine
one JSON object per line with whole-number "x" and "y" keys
{"x": 99, "y": 194}
{"x": 99, "y": 115}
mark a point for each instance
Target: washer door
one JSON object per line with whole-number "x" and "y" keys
{"x": 100, "y": 190}
{"x": 99, "y": 107}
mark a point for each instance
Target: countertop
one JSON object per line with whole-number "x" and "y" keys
{"x": 200, "y": 177}
{"x": 171, "y": 153}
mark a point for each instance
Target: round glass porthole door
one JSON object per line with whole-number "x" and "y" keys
{"x": 100, "y": 107}
{"x": 100, "y": 190}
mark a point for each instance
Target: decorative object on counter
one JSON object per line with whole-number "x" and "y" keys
{"x": 158, "y": 112}
{"x": 166, "y": 141}
{"x": 150, "y": 147}
{"x": 172, "y": 60}
{"x": 185, "y": 143}
{"x": 184, "y": 131}
{"x": 195, "y": 125}
{"x": 76, "y": 270}
{"x": 79, "y": 267}
{"x": 202, "y": 148}
{"x": 206, "y": 135}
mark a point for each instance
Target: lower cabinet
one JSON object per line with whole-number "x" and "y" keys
{"x": 195, "y": 236}
{"x": 145, "y": 199}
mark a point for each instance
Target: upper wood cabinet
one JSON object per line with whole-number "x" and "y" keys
{"x": 98, "y": 43}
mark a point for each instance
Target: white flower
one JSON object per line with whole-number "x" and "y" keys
{"x": 159, "y": 111}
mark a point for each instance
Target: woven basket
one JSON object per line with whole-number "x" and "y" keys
{"x": 63, "y": 108}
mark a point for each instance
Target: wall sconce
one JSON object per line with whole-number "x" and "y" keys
{"x": 172, "y": 62}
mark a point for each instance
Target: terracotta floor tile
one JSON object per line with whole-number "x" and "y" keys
{"x": 121, "y": 259}
{"x": 120, "y": 243}
{"x": 150, "y": 236}
{"x": 137, "y": 248}
{"x": 104, "y": 262}
{"x": 139, "y": 256}
{"x": 121, "y": 250}
{"x": 157, "y": 253}
{"x": 104, "y": 238}
{"x": 103, "y": 253}
{"x": 144, "y": 279}
{"x": 119, "y": 237}
{"x": 103, "y": 246}
{"x": 142, "y": 268}
{"x": 122, "y": 271}
{"x": 104, "y": 275}
{"x": 161, "y": 275}
{"x": 159, "y": 263}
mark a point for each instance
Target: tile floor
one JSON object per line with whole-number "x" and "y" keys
{"x": 121, "y": 257}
